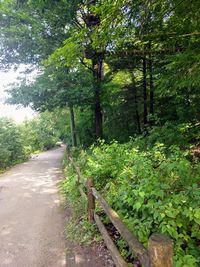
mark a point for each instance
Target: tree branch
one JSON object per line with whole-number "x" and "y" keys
{"x": 84, "y": 64}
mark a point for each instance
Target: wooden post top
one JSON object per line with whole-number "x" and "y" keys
{"x": 160, "y": 251}
{"x": 160, "y": 238}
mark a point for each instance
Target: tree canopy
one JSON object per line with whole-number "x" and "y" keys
{"x": 80, "y": 47}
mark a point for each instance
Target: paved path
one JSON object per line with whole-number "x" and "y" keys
{"x": 31, "y": 219}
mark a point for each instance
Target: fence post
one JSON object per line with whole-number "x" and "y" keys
{"x": 160, "y": 251}
{"x": 67, "y": 151}
{"x": 91, "y": 200}
{"x": 78, "y": 176}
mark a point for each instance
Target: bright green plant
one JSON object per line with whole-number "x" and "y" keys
{"x": 77, "y": 228}
{"x": 153, "y": 190}
{"x": 11, "y": 143}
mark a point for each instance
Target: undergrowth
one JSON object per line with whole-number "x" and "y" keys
{"x": 153, "y": 185}
{"x": 78, "y": 228}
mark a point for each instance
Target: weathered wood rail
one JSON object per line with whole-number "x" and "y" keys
{"x": 160, "y": 247}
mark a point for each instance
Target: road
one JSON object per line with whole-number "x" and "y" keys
{"x": 31, "y": 218}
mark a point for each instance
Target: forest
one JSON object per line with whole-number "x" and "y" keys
{"x": 119, "y": 82}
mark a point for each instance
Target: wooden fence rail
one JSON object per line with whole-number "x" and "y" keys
{"x": 160, "y": 247}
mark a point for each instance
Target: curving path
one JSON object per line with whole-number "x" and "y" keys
{"x": 31, "y": 219}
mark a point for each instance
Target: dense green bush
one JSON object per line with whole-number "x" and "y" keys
{"x": 183, "y": 135}
{"x": 11, "y": 143}
{"x": 153, "y": 190}
{"x": 39, "y": 133}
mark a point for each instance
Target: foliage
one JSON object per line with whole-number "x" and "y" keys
{"x": 183, "y": 135}
{"x": 78, "y": 228}
{"x": 31, "y": 30}
{"x": 153, "y": 189}
{"x": 150, "y": 54}
{"x": 39, "y": 133}
{"x": 52, "y": 88}
{"x": 11, "y": 143}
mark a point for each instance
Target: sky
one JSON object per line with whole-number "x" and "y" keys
{"x": 11, "y": 111}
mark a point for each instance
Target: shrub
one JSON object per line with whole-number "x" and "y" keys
{"x": 153, "y": 190}
{"x": 11, "y": 143}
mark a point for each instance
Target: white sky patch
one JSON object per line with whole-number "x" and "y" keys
{"x": 12, "y": 111}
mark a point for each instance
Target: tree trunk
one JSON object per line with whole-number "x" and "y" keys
{"x": 98, "y": 116}
{"x": 145, "y": 91}
{"x": 137, "y": 115}
{"x": 93, "y": 21}
{"x": 98, "y": 74}
{"x": 72, "y": 124}
{"x": 151, "y": 106}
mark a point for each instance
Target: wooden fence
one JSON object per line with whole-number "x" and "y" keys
{"x": 160, "y": 247}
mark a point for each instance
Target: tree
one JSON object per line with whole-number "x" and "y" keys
{"x": 53, "y": 88}
{"x": 101, "y": 39}
{"x": 46, "y": 30}
{"x": 11, "y": 143}
{"x": 32, "y": 30}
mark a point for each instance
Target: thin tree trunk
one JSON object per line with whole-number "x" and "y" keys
{"x": 98, "y": 116}
{"x": 145, "y": 91}
{"x": 72, "y": 124}
{"x": 98, "y": 73}
{"x": 137, "y": 115}
{"x": 151, "y": 106}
